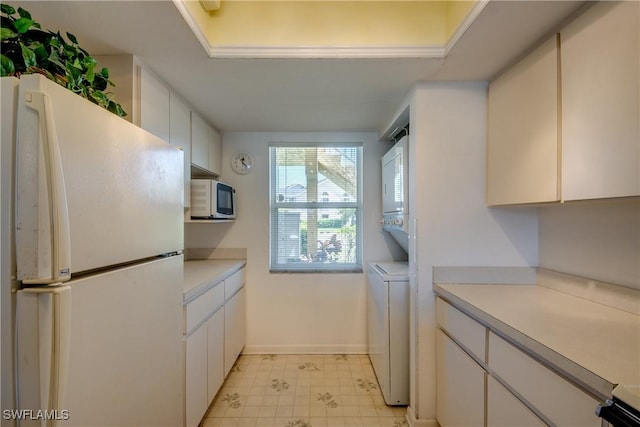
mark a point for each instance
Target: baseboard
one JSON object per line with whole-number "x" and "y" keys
{"x": 413, "y": 422}
{"x": 305, "y": 349}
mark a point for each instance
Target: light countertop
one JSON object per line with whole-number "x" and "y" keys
{"x": 201, "y": 275}
{"x": 595, "y": 345}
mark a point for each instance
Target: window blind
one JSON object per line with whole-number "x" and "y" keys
{"x": 315, "y": 207}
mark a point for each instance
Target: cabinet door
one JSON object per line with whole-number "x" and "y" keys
{"x": 460, "y": 386}
{"x": 505, "y": 410}
{"x": 215, "y": 353}
{"x": 600, "y": 102}
{"x": 215, "y": 152}
{"x": 522, "y": 145}
{"x": 154, "y": 105}
{"x": 234, "y": 329}
{"x": 180, "y": 130}
{"x": 199, "y": 141}
{"x": 196, "y": 376}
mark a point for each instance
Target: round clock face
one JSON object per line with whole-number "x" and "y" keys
{"x": 242, "y": 162}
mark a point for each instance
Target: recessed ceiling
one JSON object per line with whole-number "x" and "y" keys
{"x": 296, "y": 95}
{"x": 327, "y": 28}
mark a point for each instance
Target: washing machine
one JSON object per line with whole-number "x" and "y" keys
{"x": 388, "y": 328}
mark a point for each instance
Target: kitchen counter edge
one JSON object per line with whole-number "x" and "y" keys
{"x": 202, "y": 275}
{"x": 572, "y": 371}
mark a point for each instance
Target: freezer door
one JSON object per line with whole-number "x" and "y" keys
{"x": 93, "y": 190}
{"x": 107, "y": 350}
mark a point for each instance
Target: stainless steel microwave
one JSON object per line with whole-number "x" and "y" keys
{"x": 211, "y": 199}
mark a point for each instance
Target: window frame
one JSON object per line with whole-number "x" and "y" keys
{"x": 274, "y": 206}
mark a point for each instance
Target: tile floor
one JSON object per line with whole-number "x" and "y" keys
{"x": 302, "y": 391}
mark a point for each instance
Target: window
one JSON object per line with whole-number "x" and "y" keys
{"x": 316, "y": 207}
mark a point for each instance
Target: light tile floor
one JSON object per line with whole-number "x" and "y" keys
{"x": 302, "y": 391}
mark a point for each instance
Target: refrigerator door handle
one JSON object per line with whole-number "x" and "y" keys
{"x": 43, "y": 345}
{"x": 57, "y": 207}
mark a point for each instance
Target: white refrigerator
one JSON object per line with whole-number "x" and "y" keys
{"x": 91, "y": 231}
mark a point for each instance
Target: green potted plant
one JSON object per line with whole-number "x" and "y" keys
{"x": 26, "y": 49}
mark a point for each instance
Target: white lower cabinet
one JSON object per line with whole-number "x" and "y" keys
{"x": 505, "y": 410}
{"x": 460, "y": 386}
{"x": 477, "y": 371}
{"x": 215, "y": 353}
{"x": 234, "y": 329}
{"x": 214, "y": 338}
{"x": 196, "y": 376}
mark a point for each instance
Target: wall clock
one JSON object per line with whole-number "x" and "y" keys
{"x": 242, "y": 162}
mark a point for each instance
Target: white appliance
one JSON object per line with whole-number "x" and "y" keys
{"x": 388, "y": 328}
{"x": 91, "y": 290}
{"x": 395, "y": 192}
{"x": 211, "y": 199}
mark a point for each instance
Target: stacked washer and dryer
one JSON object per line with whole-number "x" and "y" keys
{"x": 388, "y": 298}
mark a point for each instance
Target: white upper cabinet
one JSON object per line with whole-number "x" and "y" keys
{"x": 180, "y": 130}
{"x": 154, "y": 104}
{"x": 206, "y": 146}
{"x": 215, "y": 152}
{"x": 600, "y": 103}
{"x": 522, "y": 146}
{"x": 199, "y": 141}
{"x": 564, "y": 123}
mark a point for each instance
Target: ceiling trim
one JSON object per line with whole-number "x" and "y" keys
{"x": 477, "y": 9}
{"x": 191, "y": 22}
{"x": 282, "y": 52}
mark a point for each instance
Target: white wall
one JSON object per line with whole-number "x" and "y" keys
{"x": 453, "y": 226}
{"x": 596, "y": 240}
{"x": 297, "y": 312}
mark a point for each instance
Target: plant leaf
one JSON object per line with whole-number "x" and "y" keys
{"x": 100, "y": 97}
{"x": 54, "y": 58}
{"x": 6, "y": 33}
{"x": 5, "y": 8}
{"x": 73, "y": 76}
{"x": 73, "y": 38}
{"x": 23, "y": 13}
{"x": 99, "y": 82}
{"x": 89, "y": 75}
{"x": 6, "y": 65}
{"x": 28, "y": 56}
{"x": 41, "y": 53}
{"x": 53, "y": 41}
{"x": 22, "y": 25}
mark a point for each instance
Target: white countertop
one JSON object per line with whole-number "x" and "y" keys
{"x": 201, "y": 275}
{"x": 596, "y": 345}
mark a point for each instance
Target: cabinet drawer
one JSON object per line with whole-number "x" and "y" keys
{"x": 557, "y": 399}
{"x": 233, "y": 284}
{"x": 467, "y": 331}
{"x": 202, "y": 307}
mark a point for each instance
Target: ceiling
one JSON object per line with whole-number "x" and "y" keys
{"x": 295, "y": 95}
